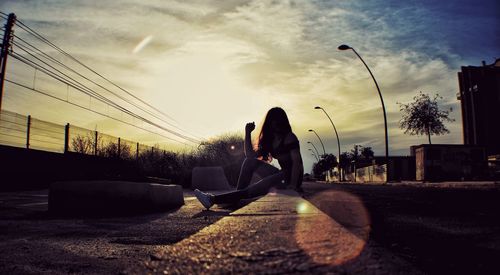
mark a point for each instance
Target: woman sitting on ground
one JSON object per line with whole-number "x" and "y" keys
{"x": 276, "y": 140}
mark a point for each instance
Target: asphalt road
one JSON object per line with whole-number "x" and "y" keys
{"x": 34, "y": 242}
{"x": 435, "y": 230}
{"x": 453, "y": 230}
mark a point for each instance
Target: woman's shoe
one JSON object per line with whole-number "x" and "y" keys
{"x": 204, "y": 198}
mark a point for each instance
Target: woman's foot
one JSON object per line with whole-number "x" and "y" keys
{"x": 204, "y": 198}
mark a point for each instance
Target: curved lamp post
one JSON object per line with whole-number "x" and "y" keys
{"x": 346, "y": 47}
{"x": 311, "y": 130}
{"x": 314, "y": 147}
{"x": 334, "y": 128}
{"x": 336, "y": 134}
{"x": 314, "y": 154}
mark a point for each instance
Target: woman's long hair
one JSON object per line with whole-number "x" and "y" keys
{"x": 268, "y": 131}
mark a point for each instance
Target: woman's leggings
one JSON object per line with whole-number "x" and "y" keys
{"x": 273, "y": 177}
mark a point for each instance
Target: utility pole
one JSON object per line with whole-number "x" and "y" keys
{"x": 7, "y": 37}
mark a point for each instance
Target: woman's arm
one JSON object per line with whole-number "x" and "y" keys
{"x": 249, "y": 151}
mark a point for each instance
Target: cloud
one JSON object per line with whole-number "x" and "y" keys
{"x": 214, "y": 65}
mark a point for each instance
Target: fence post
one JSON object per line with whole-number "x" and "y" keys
{"x": 137, "y": 151}
{"x": 95, "y": 142}
{"x": 119, "y": 147}
{"x": 28, "y": 129}
{"x": 66, "y": 138}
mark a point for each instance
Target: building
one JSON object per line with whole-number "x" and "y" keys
{"x": 479, "y": 96}
{"x": 442, "y": 162}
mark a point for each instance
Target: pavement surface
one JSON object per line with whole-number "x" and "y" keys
{"x": 439, "y": 228}
{"x": 38, "y": 243}
{"x": 332, "y": 229}
{"x": 280, "y": 233}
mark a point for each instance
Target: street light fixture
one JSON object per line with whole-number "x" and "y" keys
{"x": 324, "y": 151}
{"x": 334, "y": 128}
{"x": 314, "y": 154}
{"x": 346, "y": 47}
{"x": 336, "y": 134}
{"x": 314, "y": 147}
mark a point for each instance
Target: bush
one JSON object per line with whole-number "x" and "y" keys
{"x": 225, "y": 150}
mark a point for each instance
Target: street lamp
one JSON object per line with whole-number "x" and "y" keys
{"x": 324, "y": 151}
{"x": 314, "y": 147}
{"x": 346, "y": 47}
{"x": 314, "y": 154}
{"x": 337, "y": 134}
{"x": 334, "y": 128}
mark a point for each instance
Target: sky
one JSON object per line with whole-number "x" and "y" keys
{"x": 213, "y": 66}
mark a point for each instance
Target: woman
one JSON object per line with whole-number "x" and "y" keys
{"x": 276, "y": 140}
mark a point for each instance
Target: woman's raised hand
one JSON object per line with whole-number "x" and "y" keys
{"x": 250, "y": 127}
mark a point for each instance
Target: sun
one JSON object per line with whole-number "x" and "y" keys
{"x": 200, "y": 84}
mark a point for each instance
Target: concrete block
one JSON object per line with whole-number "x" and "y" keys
{"x": 165, "y": 196}
{"x": 209, "y": 178}
{"x": 112, "y": 197}
{"x": 159, "y": 180}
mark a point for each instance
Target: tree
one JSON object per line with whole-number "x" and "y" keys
{"x": 326, "y": 163}
{"x": 82, "y": 144}
{"x": 358, "y": 155}
{"x": 345, "y": 162}
{"x": 355, "y": 152}
{"x": 367, "y": 153}
{"x": 423, "y": 116}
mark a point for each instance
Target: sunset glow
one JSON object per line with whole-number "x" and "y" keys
{"x": 214, "y": 66}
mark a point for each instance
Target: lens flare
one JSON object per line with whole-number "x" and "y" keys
{"x": 144, "y": 42}
{"x": 338, "y": 236}
{"x": 302, "y": 208}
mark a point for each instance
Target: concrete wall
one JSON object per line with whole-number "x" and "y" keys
{"x": 401, "y": 168}
{"x": 439, "y": 162}
{"x": 374, "y": 173}
{"x": 34, "y": 169}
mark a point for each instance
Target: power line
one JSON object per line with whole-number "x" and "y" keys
{"x": 82, "y": 87}
{"x": 49, "y": 73}
{"x": 40, "y": 37}
{"x": 73, "y": 83}
{"x": 72, "y": 70}
{"x": 69, "y": 83}
{"x": 90, "y": 110}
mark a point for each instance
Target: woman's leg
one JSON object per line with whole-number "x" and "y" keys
{"x": 260, "y": 188}
{"x": 247, "y": 168}
{"x": 263, "y": 186}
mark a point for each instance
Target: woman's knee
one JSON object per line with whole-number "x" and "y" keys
{"x": 251, "y": 163}
{"x": 262, "y": 187}
{"x": 251, "y": 160}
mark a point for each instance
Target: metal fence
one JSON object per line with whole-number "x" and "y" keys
{"x": 27, "y": 132}
{"x": 13, "y": 129}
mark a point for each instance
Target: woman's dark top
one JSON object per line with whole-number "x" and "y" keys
{"x": 282, "y": 153}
